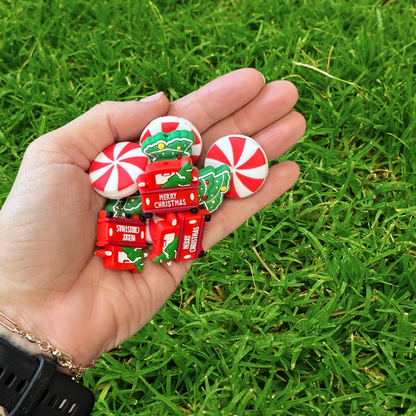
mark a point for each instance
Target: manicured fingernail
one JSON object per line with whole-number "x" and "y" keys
{"x": 153, "y": 97}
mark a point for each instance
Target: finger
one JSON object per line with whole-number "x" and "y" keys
{"x": 273, "y": 102}
{"x": 80, "y": 141}
{"x": 219, "y": 98}
{"x": 280, "y": 136}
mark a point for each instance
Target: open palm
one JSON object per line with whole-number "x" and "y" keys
{"x": 51, "y": 282}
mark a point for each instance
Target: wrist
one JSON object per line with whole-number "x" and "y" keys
{"x": 22, "y": 344}
{"x": 7, "y": 333}
{"x": 28, "y": 343}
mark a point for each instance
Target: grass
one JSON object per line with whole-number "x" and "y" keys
{"x": 329, "y": 327}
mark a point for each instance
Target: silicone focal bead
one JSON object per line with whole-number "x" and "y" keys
{"x": 178, "y": 236}
{"x": 168, "y": 146}
{"x": 171, "y": 123}
{"x": 114, "y": 172}
{"x": 122, "y": 240}
{"x": 246, "y": 159}
{"x": 169, "y": 186}
{"x": 212, "y": 185}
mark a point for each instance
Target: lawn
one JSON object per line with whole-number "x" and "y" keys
{"x": 308, "y": 308}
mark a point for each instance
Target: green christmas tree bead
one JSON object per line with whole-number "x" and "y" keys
{"x": 135, "y": 255}
{"x": 167, "y": 146}
{"x": 213, "y": 184}
{"x": 115, "y": 206}
{"x": 169, "y": 252}
{"x": 133, "y": 204}
{"x": 182, "y": 177}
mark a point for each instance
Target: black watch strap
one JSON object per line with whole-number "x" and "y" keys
{"x": 32, "y": 387}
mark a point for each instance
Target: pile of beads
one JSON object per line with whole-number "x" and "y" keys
{"x": 156, "y": 196}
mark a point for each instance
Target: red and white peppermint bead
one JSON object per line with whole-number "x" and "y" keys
{"x": 114, "y": 172}
{"x": 247, "y": 161}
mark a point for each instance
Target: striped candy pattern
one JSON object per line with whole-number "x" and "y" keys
{"x": 114, "y": 172}
{"x": 247, "y": 161}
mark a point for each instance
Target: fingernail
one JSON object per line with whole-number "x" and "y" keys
{"x": 153, "y": 97}
{"x": 263, "y": 77}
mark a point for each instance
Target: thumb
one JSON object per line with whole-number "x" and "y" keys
{"x": 81, "y": 140}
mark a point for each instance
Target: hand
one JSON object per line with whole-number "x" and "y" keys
{"x": 51, "y": 282}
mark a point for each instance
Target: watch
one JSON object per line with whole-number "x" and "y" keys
{"x": 33, "y": 387}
